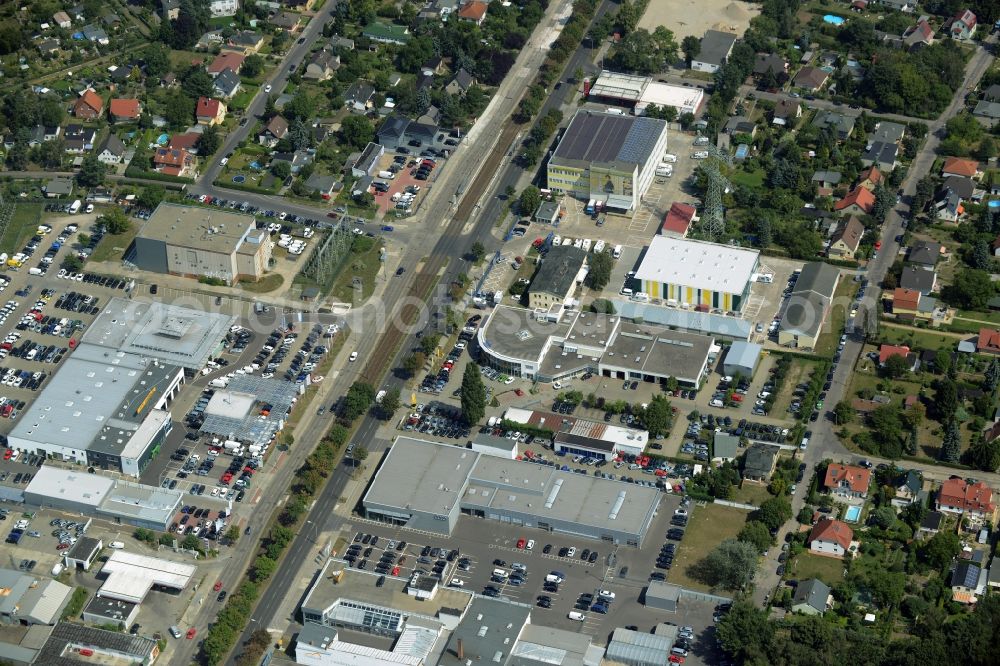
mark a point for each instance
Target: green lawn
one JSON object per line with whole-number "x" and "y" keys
{"x": 991, "y": 316}
{"x": 23, "y": 224}
{"x": 917, "y": 339}
{"x": 752, "y": 179}
{"x": 264, "y": 285}
{"x": 111, "y": 247}
{"x": 752, "y": 493}
{"x": 828, "y": 569}
{"x": 830, "y": 337}
{"x": 710, "y": 525}
{"x": 798, "y": 373}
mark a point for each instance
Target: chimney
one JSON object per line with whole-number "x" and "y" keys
{"x": 460, "y": 650}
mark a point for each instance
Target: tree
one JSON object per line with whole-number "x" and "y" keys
{"x": 299, "y": 135}
{"x": 600, "y": 264}
{"x": 473, "y": 395}
{"x": 252, "y": 66}
{"x": 91, "y": 172}
{"x": 281, "y": 169}
{"x": 359, "y": 453}
{"x": 263, "y": 567}
{"x": 987, "y": 148}
{"x": 756, "y": 533}
{"x": 478, "y": 252}
{"x": 150, "y": 196}
{"x": 116, "y": 221}
{"x": 884, "y": 516}
{"x": 843, "y": 413}
{"x": 178, "y": 109}
{"x": 945, "y": 399}
{"x": 971, "y": 289}
{"x": 390, "y": 402}
{"x": 157, "y": 60}
{"x": 358, "y": 400}
{"x": 731, "y": 565}
{"x": 941, "y": 549}
{"x": 991, "y": 378}
{"x": 884, "y": 201}
{"x": 196, "y": 83}
{"x": 658, "y": 416}
{"x": 529, "y": 201}
{"x": 773, "y": 512}
{"x": 429, "y": 343}
{"x": 985, "y": 454}
{"x": 209, "y": 141}
{"x": 951, "y": 442}
{"x": 895, "y": 366}
{"x": 690, "y": 47}
{"x": 745, "y": 633}
{"x": 303, "y": 107}
{"x": 356, "y": 131}
{"x": 233, "y": 534}
{"x": 413, "y": 363}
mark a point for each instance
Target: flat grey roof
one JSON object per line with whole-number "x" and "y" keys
{"x": 704, "y": 322}
{"x": 658, "y": 351}
{"x": 66, "y": 634}
{"x": 596, "y": 137}
{"x": 422, "y": 475}
{"x": 548, "y": 645}
{"x": 634, "y": 647}
{"x": 558, "y": 270}
{"x": 135, "y": 501}
{"x": 209, "y": 229}
{"x": 171, "y": 333}
{"x": 488, "y": 630}
{"x": 96, "y": 392}
{"x": 515, "y": 332}
{"x": 70, "y": 485}
{"x": 249, "y": 425}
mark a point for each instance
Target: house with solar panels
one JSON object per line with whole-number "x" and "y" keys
{"x": 608, "y": 158}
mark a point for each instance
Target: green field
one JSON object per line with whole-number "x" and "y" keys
{"x": 753, "y": 179}
{"x": 830, "y": 337}
{"x": 710, "y": 525}
{"x": 111, "y": 247}
{"x": 22, "y": 226}
{"x": 917, "y": 339}
{"x": 830, "y": 570}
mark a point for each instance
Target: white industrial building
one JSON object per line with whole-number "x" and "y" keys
{"x": 129, "y": 576}
{"x": 638, "y": 92}
{"x": 574, "y": 436}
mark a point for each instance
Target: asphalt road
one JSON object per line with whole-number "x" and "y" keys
{"x": 824, "y": 442}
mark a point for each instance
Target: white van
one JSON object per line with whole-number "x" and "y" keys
{"x": 670, "y": 158}
{"x": 626, "y": 292}
{"x": 500, "y": 573}
{"x": 576, "y": 615}
{"x": 640, "y": 297}
{"x": 700, "y": 155}
{"x": 117, "y": 545}
{"x": 617, "y": 252}
{"x": 615, "y": 112}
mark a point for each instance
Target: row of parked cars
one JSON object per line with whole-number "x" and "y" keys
{"x": 74, "y": 301}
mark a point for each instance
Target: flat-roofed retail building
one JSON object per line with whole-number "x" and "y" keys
{"x": 698, "y": 274}
{"x": 200, "y": 242}
{"x": 427, "y": 486}
{"x": 610, "y": 158}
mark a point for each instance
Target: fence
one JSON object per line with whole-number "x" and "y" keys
{"x": 736, "y": 505}
{"x": 704, "y": 596}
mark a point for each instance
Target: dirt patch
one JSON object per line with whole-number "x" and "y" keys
{"x": 694, "y": 17}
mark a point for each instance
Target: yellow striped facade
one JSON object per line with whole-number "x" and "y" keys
{"x": 721, "y": 300}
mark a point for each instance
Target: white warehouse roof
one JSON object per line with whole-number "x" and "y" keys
{"x": 698, "y": 264}
{"x": 130, "y": 576}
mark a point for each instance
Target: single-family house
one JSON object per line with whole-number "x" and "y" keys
{"x": 286, "y": 21}
{"x": 170, "y": 9}
{"x": 185, "y": 141}
{"x": 959, "y": 166}
{"x": 845, "y": 240}
{"x": 461, "y": 83}
{"x": 88, "y": 105}
{"x": 223, "y": 7}
{"x": 858, "y": 201}
{"x": 900, "y": 5}
{"x": 826, "y": 181}
{"x": 905, "y": 303}
{"x": 227, "y": 83}
{"x": 740, "y": 125}
{"x": 988, "y": 113}
{"x": 988, "y": 341}
{"x": 963, "y": 25}
{"x": 62, "y": 19}
{"x": 226, "y": 60}
{"x": 473, "y": 11}
{"x": 678, "y": 220}
{"x": 870, "y": 178}
{"x": 715, "y": 49}
{"x": 93, "y": 33}
{"x": 759, "y": 461}
{"x": 965, "y": 587}
{"x": 111, "y": 150}
{"x": 358, "y": 97}
{"x": 916, "y": 36}
{"x": 322, "y": 65}
{"x": 812, "y": 597}
{"x": 830, "y": 537}
{"x": 972, "y": 500}
{"x": 847, "y": 480}
{"x": 77, "y": 138}
{"x": 48, "y": 46}
{"x": 392, "y": 131}
{"x": 770, "y": 62}
{"x": 338, "y": 42}
{"x": 386, "y": 33}
{"x": 786, "y": 110}
{"x": 58, "y": 187}
{"x": 321, "y": 184}
{"x": 992, "y": 94}
{"x": 124, "y": 110}
{"x": 919, "y": 279}
{"x": 931, "y": 524}
{"x": 725, "y": 447}
{"x": 924, "y": 253}
{"x": 881, "y": 154}
{"x": 961, "y": 187}
{"x": 273, "y": 132}
{"x": 810, "y": 78}
{"x": 841, "y": 125}
{"x": 174, "y": 162}
{"x": 295, "y": 160}
{"x": 887, "y": 132}
{"x": 209, "y": 111}
{"x": 245, "y": 41}
{"x": 909, "y": 489}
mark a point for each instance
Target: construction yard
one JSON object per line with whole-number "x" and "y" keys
{"x": 694, "y": 17}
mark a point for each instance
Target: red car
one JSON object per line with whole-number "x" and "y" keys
{"x": 675, "y": 659}
{"x": 878, "y": 245}
{"x": 62, "y": 546}
{"x": 217, "y": 586}
{"x": 191, "y": 632}
{"x": 7, "y": 454}
{"x": 521, "y": 543}
{"x": 518, "y": 392}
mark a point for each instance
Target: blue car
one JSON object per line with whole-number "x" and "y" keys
{"x": 386, "y": 227}
{"x": 599, "y": 608}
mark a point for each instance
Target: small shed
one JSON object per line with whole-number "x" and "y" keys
{"x": 726, "y": 447}
{"x": 491, "y": 445}
{"x": 742, "y": 358}
{"x": 662, "y": 596}
{"x": 548, "y": 212}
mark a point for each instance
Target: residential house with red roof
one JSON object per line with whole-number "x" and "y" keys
{"x": 124, "y": 110}
{"x": 869, "y": 178}
{"x": 858, "y": 201}
{"x": 847, "y": 480}
{"x": 678, "y": 220}
{"x": 845, "y": 240}
{"x": 187, "y": 141}
{"x": 473, "y": 11}
{"x": 174, "y": 162}
{"x": 972, "y": 500}
{"x": 988, "y": 341}
{"x": 89, "y": 105}
{"x": 963, "y": 25}
{"x": 226, "y": 60}
{"x": 209, "y": 111}
{"x": 958, "y": 166}
{"x": 921, "y": 34}
{"x": 886, "y": 351}
{"x": 830, "y": 537}
{"x": 905, "y": 302}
